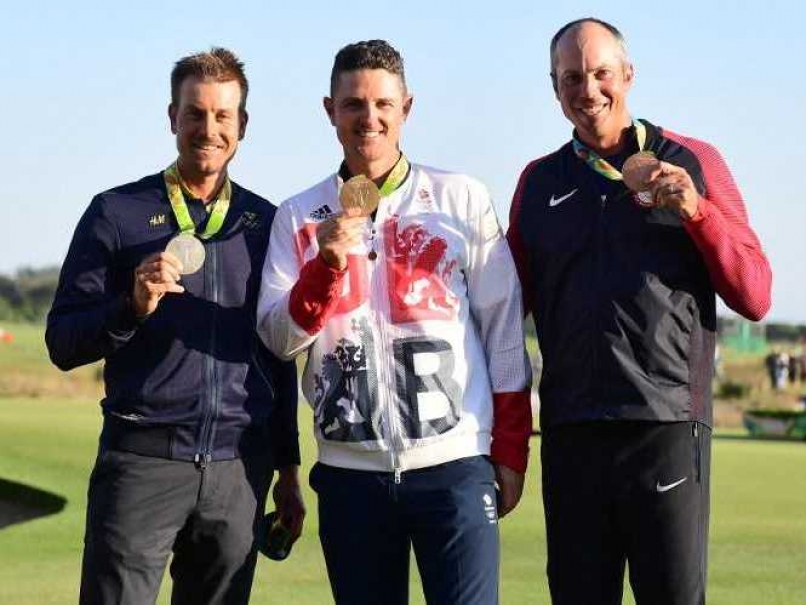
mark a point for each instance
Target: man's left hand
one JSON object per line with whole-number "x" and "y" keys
{"x": 671, "y": 187}
{"x": 510, "y": 484}
{"x": 288, "y": 501}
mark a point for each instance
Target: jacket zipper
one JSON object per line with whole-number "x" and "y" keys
{"x": 600, "y": 228}
{"x": 395, "y": 442}
{"x": 204, "y": 453}
{"x": 695, "y": 433}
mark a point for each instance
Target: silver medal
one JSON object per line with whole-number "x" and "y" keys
{"x": 189, "y": 250}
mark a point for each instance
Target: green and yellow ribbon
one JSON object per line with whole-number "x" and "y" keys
{"x": 176, "y": 195}
{"x": 396, "y": 176}
{"x": 598, "y": 163}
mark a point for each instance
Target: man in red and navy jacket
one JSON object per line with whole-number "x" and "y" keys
{"x": 621, "y": 286}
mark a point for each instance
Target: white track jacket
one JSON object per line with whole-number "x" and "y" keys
{"x": 415, "y": 353}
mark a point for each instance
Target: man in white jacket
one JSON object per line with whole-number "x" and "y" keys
{"x": 411, "y": 316}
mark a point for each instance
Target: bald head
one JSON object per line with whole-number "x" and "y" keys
{"x": 579, "y": 31}
{"x": 592, "y": 76}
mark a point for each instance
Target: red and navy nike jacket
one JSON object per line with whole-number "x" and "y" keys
{"x": 623, "y": 297}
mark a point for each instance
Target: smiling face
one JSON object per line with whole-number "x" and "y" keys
{"x": 208, "y": 124}
{"x": 368, "y": 109}
{"x": 592, "y": 78}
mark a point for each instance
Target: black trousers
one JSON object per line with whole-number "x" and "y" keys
{"x": 627, "y": 492}
{"x": 368, "y": 524}
{"x": 141, "y": 508}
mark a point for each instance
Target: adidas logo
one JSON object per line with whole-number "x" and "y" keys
{"x": 321, "y": 213}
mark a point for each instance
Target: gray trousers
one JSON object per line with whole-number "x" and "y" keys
{"x": 142, "y": 508}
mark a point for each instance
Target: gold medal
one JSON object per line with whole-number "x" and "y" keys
{"x": 359, "y": 196}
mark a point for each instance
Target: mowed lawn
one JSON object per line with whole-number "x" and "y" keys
{"x": 758, "y": 529}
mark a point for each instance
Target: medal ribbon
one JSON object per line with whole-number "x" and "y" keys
{"x": 598, "y": 163}
{"x": 175, "y": 188}
{"x": 396, "y": 177}
{"x": 393, "y": 181}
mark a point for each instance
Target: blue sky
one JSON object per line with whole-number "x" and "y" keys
{"x": 86, "y": 90}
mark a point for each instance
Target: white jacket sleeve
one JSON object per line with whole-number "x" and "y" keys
{"x": 295, "y": 297}
{"x": 495, "y": 298}
{"x": 497, "y": 308}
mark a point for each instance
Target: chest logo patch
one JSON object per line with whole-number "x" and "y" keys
{"x": 556, "y": 201}
{"x": 425, "y": 200}
{"x": 321, "y": 213}
{"x": 250, "y": 220}
{"x": 157, "y": 220}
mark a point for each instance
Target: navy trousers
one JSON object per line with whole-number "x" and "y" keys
{"x": 447, "y": 513}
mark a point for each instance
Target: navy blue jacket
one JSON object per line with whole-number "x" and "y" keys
{"x": 192, "y": 381}
{"x": 623, "y": 297}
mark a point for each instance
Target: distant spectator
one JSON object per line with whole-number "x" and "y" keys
{"x": 781, "y": 370}
{"x": 771, "y": 361}
{"x": 794, "y": 367}
{"x": 800, "y": 363}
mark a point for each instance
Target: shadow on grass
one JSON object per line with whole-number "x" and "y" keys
{"x": 19, "y": 503}
{"x": 731, "y": 435}
{"x": 748, "y": 437}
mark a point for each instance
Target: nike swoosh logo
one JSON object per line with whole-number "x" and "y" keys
{"x": 665, "y": 488}
{"x": 557, "y": 201}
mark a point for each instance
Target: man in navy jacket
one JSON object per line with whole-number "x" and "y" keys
{"x": 622, "y": 286}
{"x": 197, "y": 412}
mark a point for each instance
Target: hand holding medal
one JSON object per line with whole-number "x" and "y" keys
{"x": 660, "y": 184}
{"x": 638, "y": 172}
{"x": 337, "y": 235}
{"x": 359, "y": 197}
{"x": 160, "y": 273}
{"x": 157, "y": 275}
{"x": 656, "y": 184}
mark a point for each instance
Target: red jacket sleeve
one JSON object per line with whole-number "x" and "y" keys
{"x": 315, "y": 296}
{"x": 512, "y": 427}
{"x": 516, "y": 242}
{"x": 739, "y": 270}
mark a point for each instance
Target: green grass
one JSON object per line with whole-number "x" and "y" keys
{"x": 758, "y": 529}
{"x": 26, "y": 371}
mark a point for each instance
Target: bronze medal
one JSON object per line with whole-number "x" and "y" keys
{"x": 637, "y": 171}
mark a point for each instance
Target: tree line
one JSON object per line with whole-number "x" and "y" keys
{"x": 27, "y": 295}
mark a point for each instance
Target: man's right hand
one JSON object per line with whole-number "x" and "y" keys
{"x": 337, "y": 235}
{"x": 153, "y": 278}
{"x": 288, "y": 501}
